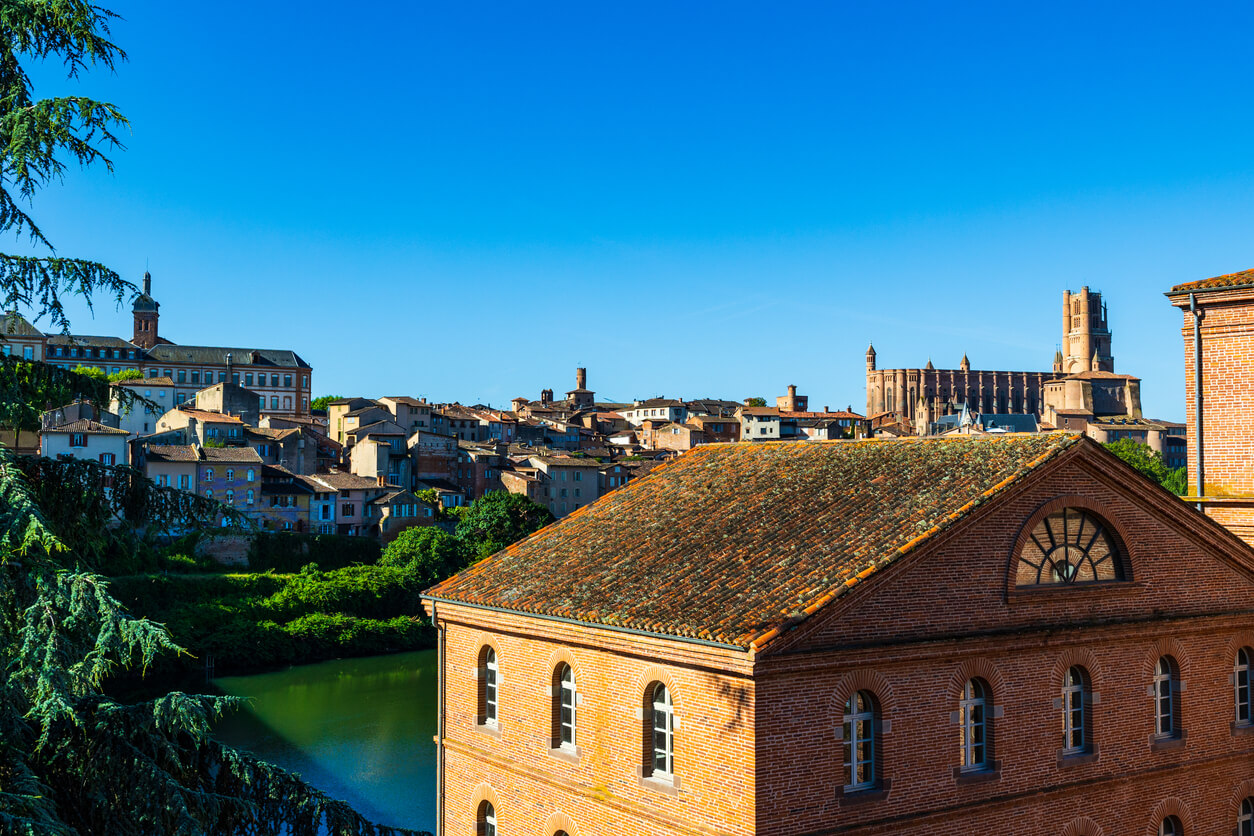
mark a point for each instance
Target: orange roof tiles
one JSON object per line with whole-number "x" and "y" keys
{"x": 1245, "y": 277}
{"x": 731, "y": 543}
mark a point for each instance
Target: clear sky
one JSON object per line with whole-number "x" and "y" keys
{"x": 467, "y": 200}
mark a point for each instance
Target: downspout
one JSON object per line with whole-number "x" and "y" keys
{"x": 439, "y": 728}
{"x": 1197, "y": 395}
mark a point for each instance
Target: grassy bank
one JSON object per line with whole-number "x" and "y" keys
{"x": 254, "y": 621}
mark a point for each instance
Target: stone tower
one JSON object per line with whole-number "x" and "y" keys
{"x": 145, "y": 313}
{"x": 1085, "y": 333}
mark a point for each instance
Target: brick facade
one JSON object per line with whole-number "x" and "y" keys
{"x": 757, "y": 745}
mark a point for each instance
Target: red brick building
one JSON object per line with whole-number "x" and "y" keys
{"x": 1219, "y": 329}
{"x": 1013, "y": 634}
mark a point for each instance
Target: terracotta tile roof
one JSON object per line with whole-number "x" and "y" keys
{"x": 208, "y": 417}
{"x": 733, "y": 542}
{"x": 346, "y": 481}
{"x": 171, "y": 453}
{"x": 1245, "y": 277}
{"x": 86, "y": 425}
{"x": 241, "y": 455}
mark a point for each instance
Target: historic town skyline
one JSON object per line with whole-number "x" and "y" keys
{"x": 657, "y": 181}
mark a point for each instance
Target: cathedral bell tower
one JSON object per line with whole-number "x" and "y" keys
{"x": 145, "y": 313}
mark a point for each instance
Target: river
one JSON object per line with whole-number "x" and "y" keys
{"x": 358, "y": 729}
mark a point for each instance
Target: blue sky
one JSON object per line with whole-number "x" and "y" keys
{"x": 465, "y": 201}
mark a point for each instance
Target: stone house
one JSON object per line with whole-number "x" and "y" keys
{"x": 999, "y": 634}
{"x": 142, "y": 419}
{"x": 395, "y": 511}
{"x": 351, "y": 495}
{"x": 85, "y": 439}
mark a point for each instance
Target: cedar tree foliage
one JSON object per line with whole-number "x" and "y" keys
{"x": 72, "y": 759}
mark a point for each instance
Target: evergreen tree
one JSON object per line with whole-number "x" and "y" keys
{"x": 73, "y": 760}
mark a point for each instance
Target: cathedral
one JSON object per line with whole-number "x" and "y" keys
{"x": 921, "y": 396}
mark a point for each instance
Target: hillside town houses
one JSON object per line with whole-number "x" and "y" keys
{"x": 236, "y": 425}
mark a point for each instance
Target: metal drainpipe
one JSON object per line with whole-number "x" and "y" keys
{"x": 1197, "y": 394}
{"x": 439, "y": 730}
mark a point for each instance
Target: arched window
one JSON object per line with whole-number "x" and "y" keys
{"x": 251, "y": 496}
{"x": 1068, "y": 546}
{"x": 208, "y": 474}
{"x": 252, "y": 476}
{"x": 485, "y": 819}
{"x": 661, "y": 733}
{"x": 1241, "y": 683}
{"x": 1171, "y": 826}
{"x": 230, "y": 496}
{"x": 230, "y": 475}
{"x": 973, "y": 717}
{"x": 859, "y": 741}
{"x": 1166, "y": 698}
{"x": 563, "y": 707}
{"x": 1245, "y": 820}
{"x": 487, "y": 686}
{"x": 1075, "y": 711}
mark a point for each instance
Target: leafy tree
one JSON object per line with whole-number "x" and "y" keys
{"x": 322, "y": 401}
{"x": 499, "y": 518}
{"x": 1149, "y": 463}
{"x": 73, "y": 760}
{"x": 94, "y": 372}
{"x": 756, "y": 402}
{"x": 429, "y": 553}
{"x": 125, "y": 375}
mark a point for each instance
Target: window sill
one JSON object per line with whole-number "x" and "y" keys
{"x": 490, "y": 729}
{"x": 852, "y": 798}
{"x": 569, "y": 754}
{"x": 667, "y": 786}
{"x": 1242, "y": 729}
{"x": 1164, "y": 744}
{"x": 977, "y": 776}
{"x": 1070, "y": 759}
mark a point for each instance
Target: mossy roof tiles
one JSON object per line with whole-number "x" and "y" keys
{"x": 1245, "y": 277}
{"x": 731, "y": 543}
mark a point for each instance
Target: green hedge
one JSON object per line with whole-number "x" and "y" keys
{"x": 288, "y": 552}
{"x": 254, "y": 621}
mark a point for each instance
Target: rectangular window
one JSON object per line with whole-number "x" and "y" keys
{"x": 78, "y": 439}
{"x": 152, "y": 373}
{"x": 195, "y": 375}
{"x": 185, "y": 481}
{"x": 348, "y": 509}
{"x": 182, "y": 375}
{"x": 287, "y": 381}
{"x": 274, "y": 402}
{"x": 274, "y": 380}
{"x": 248, "y": 378}
{"x": 222, "y": 377}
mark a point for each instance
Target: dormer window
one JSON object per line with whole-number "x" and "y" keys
{"x": 1070, "y": 546}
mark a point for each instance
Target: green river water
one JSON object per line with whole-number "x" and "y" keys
{"x": 358, "y": 729}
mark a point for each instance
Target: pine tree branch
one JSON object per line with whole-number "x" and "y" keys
{"x": 38, "y": 284}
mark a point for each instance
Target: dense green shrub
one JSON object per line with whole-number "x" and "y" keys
{"x": 265, "y": 620}
{"x": 288, "y": 552}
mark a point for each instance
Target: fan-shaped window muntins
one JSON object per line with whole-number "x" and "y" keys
{"x": 1068, "y": 546}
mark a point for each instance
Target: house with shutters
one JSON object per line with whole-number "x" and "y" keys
{"x": 989, "y": 634}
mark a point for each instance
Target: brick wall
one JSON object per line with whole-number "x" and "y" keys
{"x": 758, "y": 749}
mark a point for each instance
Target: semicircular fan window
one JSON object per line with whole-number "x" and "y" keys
{"x": 1069, "y": 546}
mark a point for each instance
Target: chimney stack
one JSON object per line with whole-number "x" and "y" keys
{"x": 229, "y": 378}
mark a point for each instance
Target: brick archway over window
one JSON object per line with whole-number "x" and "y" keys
{"x": 1244, "y": 790}
{"x": 1082, "y": 826}
{"x": 563, "y": 655}
{"x": 559, "y": 821}
{"x": 1128, "y": 561}
{"x": 977, "y": 669}
{"x": 657, "y": 673}
{"x": 1165, "y": 647}
{"x": 1078, "y": 657}
{"x": 861, "y": 680}
{"x": 1170, "y": 807}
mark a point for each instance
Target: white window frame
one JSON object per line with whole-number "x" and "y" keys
{"x": 491, "y": 682}
{"x": 858, "y": 733}
{"x": 663, "y": 729}
{"x": 1245, "y": 819}
{"x": 1164, "y": 699}
{"x": 973, "y": 718}
{"x": 487, "y": 826}
{"x": 1074, "y": 728}
{"x": 566, "y": 708}
{"x": 1241, "y": 688}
